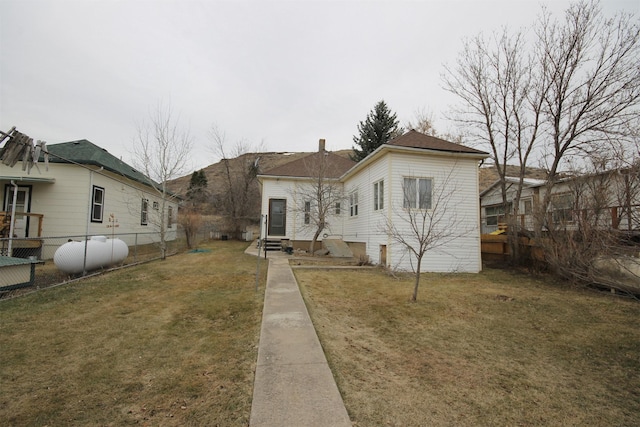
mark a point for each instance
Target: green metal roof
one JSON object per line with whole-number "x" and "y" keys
{"x": 87, "y": 153}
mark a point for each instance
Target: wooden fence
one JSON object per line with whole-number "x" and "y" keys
{"x": 496, "y": 247}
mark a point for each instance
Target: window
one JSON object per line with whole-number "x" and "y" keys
{"x": 307, "y": 212}
{"x": 378, "y": 195}
{"x": 97, "y": 204}
{"x": 528, "y": 207}
{"x": 337, "y": 208}
{"x": 417, "y": 193}
{"x": 155, "y": 206}
{"x": 495, "y": 214}
{"x": 169, "y": 216}
{"x": 562, "y": 207}
{"x": 353, "y": 204}
{"x": 144, "y": 212}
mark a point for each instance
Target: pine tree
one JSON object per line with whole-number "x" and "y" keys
{"x": 380, "y": 126}
{"x": 197, "y": 186}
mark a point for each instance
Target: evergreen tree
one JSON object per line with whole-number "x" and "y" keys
{"x": 380, "y": 126}
{"x": 197, "y": 186}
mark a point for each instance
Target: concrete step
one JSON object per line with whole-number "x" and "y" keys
{"x": 273, "y": 245}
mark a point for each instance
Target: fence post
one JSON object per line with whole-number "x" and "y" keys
{"x": 84, "y": 259}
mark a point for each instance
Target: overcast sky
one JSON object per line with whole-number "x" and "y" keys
{"x": 284, "y": 72}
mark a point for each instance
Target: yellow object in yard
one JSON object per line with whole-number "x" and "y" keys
{"x": 502, "y": 228}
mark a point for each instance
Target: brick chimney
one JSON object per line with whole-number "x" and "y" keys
{"x": 321, "y": 145}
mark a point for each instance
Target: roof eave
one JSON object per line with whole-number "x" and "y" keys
{"x": 395, "y": 148}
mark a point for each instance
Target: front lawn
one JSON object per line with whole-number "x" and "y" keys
{"x": 170, "y": 342}
{"x": 492, "y": 349}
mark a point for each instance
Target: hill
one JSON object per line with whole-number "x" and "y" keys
{"x": 216, "y": 172}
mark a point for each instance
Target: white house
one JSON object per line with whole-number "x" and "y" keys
{"x": 413, "y": 169}
{"x": 85, "y": 191}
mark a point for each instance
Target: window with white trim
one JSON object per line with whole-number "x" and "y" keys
{"x": 144, "y": 212}
{"x": 496, "y": 214}
{"x": 378, "y": 195}
{"x": 307, "y": 212}
{"x": 562, "y": 207}
{"x": 417, "y": 193}
{"x": 337, "y": 208}
{"x": 353, "y": 203}
{"x": 97, "y": 204}
{"x": 169, "y": 216}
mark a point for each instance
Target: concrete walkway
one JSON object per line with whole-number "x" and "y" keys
{"x": 293, "y": 383}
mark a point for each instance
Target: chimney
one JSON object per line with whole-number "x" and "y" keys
{"x": 321, "y": 145}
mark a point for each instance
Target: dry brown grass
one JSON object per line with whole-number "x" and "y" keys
{"x": 490, "y": 349}
{"x": 171, "y": 342}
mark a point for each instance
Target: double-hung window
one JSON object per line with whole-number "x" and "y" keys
{"x": 378, "y": 195}
{"x": 417, "y": 193}
{"x": 353, "y": 203}
{"x": 307, "y": 212}
{"x": 97, "y": 204}
{"x": 562, "y": 207}
{"x": 144, "y": 212}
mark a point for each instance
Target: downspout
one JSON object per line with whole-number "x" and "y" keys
{"x": 13, "y": 218}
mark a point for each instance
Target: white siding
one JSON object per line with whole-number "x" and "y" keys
{"x": 461, "y": 254}
{"x": 368, "y": 226}
{"x": 459, "y": 177}
{"x": 290, "y": 190}
{"x": 66, "y": 203}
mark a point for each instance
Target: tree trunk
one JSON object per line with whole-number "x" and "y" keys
{"x": 414, "y": 296}
{"x": 312, "y": 246}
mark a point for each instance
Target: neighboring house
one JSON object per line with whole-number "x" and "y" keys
{"x": 493, "y": 211}
{"x": 611, "y": 199}
{"x": 86, "y": 191}
{"x": 375, "y": 191}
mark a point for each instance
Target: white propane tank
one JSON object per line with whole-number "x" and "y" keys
{"x": 101, "y": 252}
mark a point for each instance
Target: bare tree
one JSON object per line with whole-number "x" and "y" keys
{"x": 161, "y": 150}
{"x": 502, "y": 98}
{"x": 574, "y": 92}
{"x": 191, "y": 220}
{"x": 591, "y": 69}
{"x": 427, "y": 221}
{"x": 586, "y": 245}
{"x": 424, "y": 122}
{"x": 236, "y": 199}
{"x": 320, "y": 197}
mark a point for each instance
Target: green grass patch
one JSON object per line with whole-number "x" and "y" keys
{"x": 497, "y": 348}
{"x": 170, "y": 342}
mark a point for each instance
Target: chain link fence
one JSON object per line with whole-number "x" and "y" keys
{"x": 30, "y": 264}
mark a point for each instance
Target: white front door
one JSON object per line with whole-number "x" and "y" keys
{"x": 23, "y": 202}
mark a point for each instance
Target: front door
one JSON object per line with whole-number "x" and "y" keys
{"x": 23, "y": 201}
{"x": 277, "y": 217}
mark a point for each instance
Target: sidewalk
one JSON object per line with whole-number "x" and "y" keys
{"x": 293, "y": 383}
